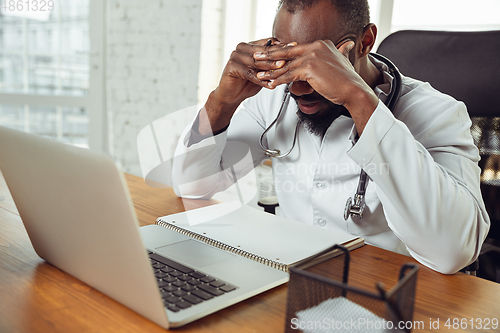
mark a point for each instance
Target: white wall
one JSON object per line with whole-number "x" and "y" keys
{"x": 152, "y": 60}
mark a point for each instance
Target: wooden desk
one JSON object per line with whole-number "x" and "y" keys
{"x": 37, "y": 297}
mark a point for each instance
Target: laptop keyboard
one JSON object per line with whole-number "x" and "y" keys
{"x": 182, "y": 287}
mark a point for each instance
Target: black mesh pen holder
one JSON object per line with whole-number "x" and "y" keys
{"x": 325, "y": 302}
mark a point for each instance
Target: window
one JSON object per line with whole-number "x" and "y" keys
{"x": 447, "y": 15}
{"x": 48, "y": 72}
{"x": 458, "y": 15}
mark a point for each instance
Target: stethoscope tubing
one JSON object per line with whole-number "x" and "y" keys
{"x": 276, "y": 153}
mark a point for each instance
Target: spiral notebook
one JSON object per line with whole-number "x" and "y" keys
{"x": 262, "y": 237}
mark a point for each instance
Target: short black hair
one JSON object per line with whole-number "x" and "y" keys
{"x": 354, "y": 13}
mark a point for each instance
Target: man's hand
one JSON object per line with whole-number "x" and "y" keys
{"x": 321, "y": 67}
{"x": 238, "y": 82}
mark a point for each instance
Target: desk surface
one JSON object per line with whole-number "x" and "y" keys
{"x": 37, "y": 297}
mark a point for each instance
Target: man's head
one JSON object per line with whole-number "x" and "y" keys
{"x": 355, "y": 14}
{"x": 306, "y": 21}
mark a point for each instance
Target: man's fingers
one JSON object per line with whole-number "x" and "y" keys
{"x": 247, "y": 60}
{"x": 279, "y": 52}
{"x": 264, "y": 41}
{"x": 289, "y": 76}
{"x": 266, "y": 65}
{"x": 241, "y": 71}
{"x": 346, "y": 48}
{"x": 258, "y": 46}
{"x": 271, "y": 74}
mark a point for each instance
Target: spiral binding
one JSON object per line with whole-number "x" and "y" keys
{"x": 223, "y": 246}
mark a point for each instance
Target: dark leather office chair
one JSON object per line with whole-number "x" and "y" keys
{"x": 465, "y": 65}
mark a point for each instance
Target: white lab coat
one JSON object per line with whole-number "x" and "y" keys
{"x": 423, "y": 197}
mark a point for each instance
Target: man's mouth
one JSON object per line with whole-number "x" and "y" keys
{"x": 309, "y": 107}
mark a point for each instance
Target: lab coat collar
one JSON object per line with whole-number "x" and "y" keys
{"x": 382, "y": 90}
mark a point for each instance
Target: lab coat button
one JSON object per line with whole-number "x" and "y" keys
{"x": 322, "y": 222}
{"x": 320, "y": 185}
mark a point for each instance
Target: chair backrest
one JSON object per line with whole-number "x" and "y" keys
{"x": 465, "y": 65}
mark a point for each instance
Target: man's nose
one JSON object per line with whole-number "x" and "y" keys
{"x": 300, "y": 88}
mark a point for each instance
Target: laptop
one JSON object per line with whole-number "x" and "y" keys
{"x": 77, "y": 211}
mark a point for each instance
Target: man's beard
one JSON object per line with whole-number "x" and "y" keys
{"x": 319, "y": 122}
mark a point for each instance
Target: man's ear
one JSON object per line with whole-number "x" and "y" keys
{"x": 367, "y": 39}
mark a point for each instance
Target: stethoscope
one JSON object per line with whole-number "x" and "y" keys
{"x": 356, "y": 205}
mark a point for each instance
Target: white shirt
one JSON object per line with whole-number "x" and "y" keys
{"x": 423, "y": 197}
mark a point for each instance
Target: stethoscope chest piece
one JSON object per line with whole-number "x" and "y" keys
{"x": 355, "y": 208}
{"x": 273, "y": 153}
